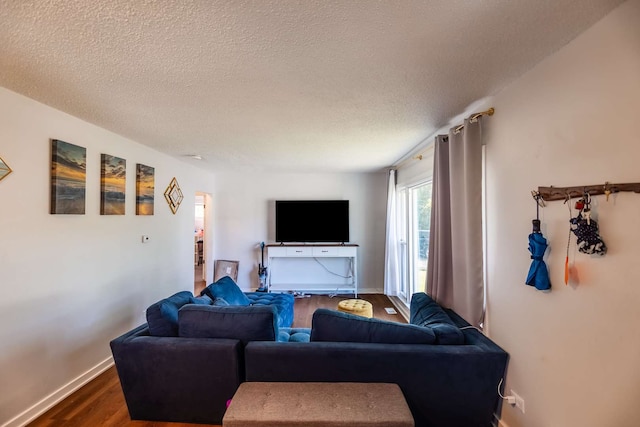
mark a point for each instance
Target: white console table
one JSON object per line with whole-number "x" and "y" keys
{"x": 313, "y": 268}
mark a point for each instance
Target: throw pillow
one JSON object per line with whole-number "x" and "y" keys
{"x": 234, "y": 322}
{"x": 424, "y": 311}
{"x": 227, "y": 289}
{"x": 336, "y": 326}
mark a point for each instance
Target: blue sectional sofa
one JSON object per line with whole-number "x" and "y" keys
{"x": 169, "y": 368}
{"x": 449, "y": 378}
{"x": 448, "y": 371}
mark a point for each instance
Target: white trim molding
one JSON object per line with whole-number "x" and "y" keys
{"x": 57, "y": 396}
{"x": 401, "y": 307}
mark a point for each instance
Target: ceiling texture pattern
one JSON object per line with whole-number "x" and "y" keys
{"x": 288, "y": 85}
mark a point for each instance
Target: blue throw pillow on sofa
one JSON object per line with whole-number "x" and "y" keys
{"x": 228, "y": 290}
{"x": 424, "y": 311}
{"x": 251, "y": 323}
{"x": 162, "y": 316}
{"x": 294, "y": 334}
{"x": 336, "y": 326}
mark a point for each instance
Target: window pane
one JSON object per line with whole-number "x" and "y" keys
{"x": 402, "y": 242}
{"x": 421, "y": 198}
{"x": 414, "y": 219}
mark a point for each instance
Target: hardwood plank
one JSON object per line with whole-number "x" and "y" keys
{"x": 304, "y": 307}
{"x": 98, "y": 403}
{"x": 101, "y": 402}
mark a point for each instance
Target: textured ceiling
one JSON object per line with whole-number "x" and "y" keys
{"x": 290, "y": 85}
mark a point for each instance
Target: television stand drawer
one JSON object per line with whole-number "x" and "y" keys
{"x": 298, "y": 251}
{"x": 319, "y": 251}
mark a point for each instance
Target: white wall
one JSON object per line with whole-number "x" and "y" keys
{"x": 243, "y": 209}
{"x": 572, "y": 120}
{"x": 71, "y": 283}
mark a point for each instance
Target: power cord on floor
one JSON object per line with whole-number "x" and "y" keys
{"x": 511, "y": 400}
{"x": 350, "y": 276}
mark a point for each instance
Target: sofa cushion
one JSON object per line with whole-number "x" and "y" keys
{"x": 282, "y": 302}
{"x": 424, "y": 311}
{"x": 227, "y": 289}
{"x": 336, "y": 326}
{"x": 162, "y": 316}
{"x": 220, "y": 302}
{"x": 294, "y": 334}
{"x": 244, "y": 323}
{"x": 203, "y": 299}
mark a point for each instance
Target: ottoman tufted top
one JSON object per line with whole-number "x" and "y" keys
{"x": 341, "y": 404}
{"x": 282, "y": 302}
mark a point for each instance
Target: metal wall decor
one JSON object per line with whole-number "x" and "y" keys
{"x": 173, "y": 195}
{"x": 4, "y": 169}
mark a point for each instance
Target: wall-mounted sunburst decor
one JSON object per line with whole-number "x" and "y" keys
{"x": 4, "y": 169}
{"x": 173, "y": 195}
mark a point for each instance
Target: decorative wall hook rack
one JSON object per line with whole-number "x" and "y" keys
{"x": 562, "y": 193}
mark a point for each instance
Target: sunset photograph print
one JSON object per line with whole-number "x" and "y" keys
{"x": 145, "y": 186}
{"x": 68, "y": 178}
{"x": 113, "y": 171}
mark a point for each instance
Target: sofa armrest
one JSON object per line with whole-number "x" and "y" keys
{"x": 177, "y": 379}
{"x": 445, "y": 385}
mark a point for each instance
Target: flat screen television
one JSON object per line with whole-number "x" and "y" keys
{"x": 321, "y": 221}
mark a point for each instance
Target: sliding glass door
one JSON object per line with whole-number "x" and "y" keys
{"x": 414, "y": 220}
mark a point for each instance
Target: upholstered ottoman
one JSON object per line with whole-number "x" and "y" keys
{"x": 356, "y": 306}
{"x": 282, "y": 302}
{"x": 293, "y": 404}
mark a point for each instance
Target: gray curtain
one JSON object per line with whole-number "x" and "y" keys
{"x": 455, "y": 276}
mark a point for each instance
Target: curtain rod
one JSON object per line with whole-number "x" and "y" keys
{"x": 474, "y": 117}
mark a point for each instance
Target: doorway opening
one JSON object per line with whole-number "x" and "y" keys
{"x": 199, "y": 247}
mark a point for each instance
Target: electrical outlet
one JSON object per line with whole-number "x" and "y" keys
{"x": 519, "y": 401}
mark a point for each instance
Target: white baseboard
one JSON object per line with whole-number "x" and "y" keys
{"x": 57, "y": 396}
{"x": 340, "y": 291}
{"x": 368, "y": 291}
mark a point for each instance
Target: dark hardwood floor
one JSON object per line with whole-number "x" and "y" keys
{"x": 101, "y": 402}
{"x": 198, "y": 283}
{"x": 304, "y": 307}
